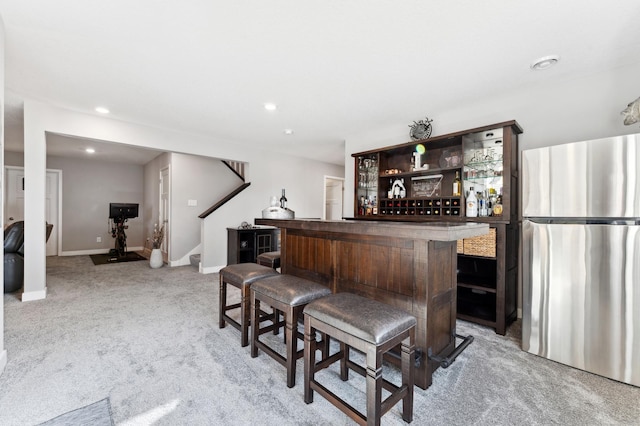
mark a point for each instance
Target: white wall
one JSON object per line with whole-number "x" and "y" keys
{"x": 573, "y": 110}
{"x": 88, "y": 186}
{"x": 269, "y": 172}
{"x": 203, "y": 180}
{"x": 151, "y": 204}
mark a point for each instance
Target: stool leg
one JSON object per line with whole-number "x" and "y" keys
{"x": 244, "y": 315}
{"x": 374, "y": 386}
{"x": 290, "y": 331}
{"x": 309, "y": 359}
{"x": 276, "y": 320}
{"x": 408, "y": 370}
{"x": 324, "y": 348}
{"x": 344, "y": 368}
{"x": 255, "y": 329}
{"x": 222, "y": 302}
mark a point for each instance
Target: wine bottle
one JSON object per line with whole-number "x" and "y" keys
{"x": 457, "y": 185}
{"x": 283, "y": 200}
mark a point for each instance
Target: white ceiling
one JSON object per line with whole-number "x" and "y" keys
{"x": 335, "y": 68}
{"x": 71, "y": 146}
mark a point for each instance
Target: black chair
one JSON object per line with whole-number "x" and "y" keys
{"x": 14, "y": 255}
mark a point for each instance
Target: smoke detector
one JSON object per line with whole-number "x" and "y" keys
{"x": 545, "y": 62}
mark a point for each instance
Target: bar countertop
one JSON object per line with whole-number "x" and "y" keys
{"x": 434, "y": 231}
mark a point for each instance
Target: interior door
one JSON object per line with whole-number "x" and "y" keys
{"x": 14, "y": 202}
{"x": 52, "y": 203}
{"x": 163, "y": 215}
{"x": 14, "y": 190}
{"x": 334, "y": 198}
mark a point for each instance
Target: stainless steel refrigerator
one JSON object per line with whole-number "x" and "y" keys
{"x": 581, "y": 255}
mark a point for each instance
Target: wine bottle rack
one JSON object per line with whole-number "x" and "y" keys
{"x": 420, "y": 207}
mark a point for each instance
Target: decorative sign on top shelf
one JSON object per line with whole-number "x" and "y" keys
{"x": 420, "y": 129}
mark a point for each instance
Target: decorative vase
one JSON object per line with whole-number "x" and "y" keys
{"x": 155, "y": 260}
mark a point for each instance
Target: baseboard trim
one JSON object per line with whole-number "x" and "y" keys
{"x": 34, "y": 295}
{"x": 3, "y": 361}
{"x": 210, "y": 269}
{"x": 95, "y": 251}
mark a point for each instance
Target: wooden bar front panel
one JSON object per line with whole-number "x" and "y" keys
{"x": 418, "y": 276}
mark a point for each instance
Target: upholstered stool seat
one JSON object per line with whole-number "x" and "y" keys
{"x": 289, "y": 295}
{"x": 270, "y": 259}
{"x": 373, "y": 328}
{"x": 241, "y": 276}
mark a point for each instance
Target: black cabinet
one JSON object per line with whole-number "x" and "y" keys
{"x": 487, "y": 278}
{"x": 245, "y": 244}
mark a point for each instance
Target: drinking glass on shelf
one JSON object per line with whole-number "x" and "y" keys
{"x": 489, "y": 155}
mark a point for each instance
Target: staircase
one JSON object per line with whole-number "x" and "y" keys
{"x": 238, "y": 168}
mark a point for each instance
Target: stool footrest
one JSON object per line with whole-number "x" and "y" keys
{"x": 230, "y": 307}
{"x": 320, "y": 365}
{"x": 338, "y": 402}
{"x": 268, "y": 328}
{"x": 387, "y": 385}
{"x": 231, "y": 322}
{"x": 273, "y": 354}
{"x": 264, "y": 316}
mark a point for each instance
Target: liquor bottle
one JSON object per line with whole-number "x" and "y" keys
{"x": 472, "y": 203}
{"x": 457, "y": 185}
{"x": 482, "y": 205}
{"x": 283, "y": 200}
{"x": 497, "y": 208}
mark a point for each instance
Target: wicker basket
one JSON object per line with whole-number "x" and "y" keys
{"x": 460, "y": 247}
{"x": 484, "y": 245}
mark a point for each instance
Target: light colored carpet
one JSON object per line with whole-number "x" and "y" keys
{"x": 149, "y": 340}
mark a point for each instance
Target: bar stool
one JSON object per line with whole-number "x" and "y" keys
{"x": 373, "y": 328}
{"x": 241, "y": 275}
{"x": 270, "y": 259}
{"x": 287, "y": 294}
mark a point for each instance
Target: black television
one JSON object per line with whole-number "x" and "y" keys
{"x": 123, "y": 210}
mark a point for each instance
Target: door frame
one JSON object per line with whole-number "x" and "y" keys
{"x": 56, "y": 226}
{"x": 166, "y": 246}
{"x": 324, "y": 194}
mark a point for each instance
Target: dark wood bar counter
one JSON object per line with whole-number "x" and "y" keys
{"x": 408, "y": 265}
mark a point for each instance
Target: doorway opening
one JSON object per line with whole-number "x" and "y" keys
{"x": 333, "y": 198}
{"x": 14, "y": 203}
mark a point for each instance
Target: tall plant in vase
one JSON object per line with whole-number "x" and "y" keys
{"x": 155, "y": 260}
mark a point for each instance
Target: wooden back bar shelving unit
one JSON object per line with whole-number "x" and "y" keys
{"x": 485, "y": 158}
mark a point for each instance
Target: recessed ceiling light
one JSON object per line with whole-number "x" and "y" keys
{"x": 102, "y": 110}
{"x": 288, "y": 131}
{"x": 90, "y": 150}
{"x": 270, "y": 106}
{"x": 545, "y": 62}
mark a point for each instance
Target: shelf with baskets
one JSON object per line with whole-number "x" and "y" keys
{"x": 415, "y": 182}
